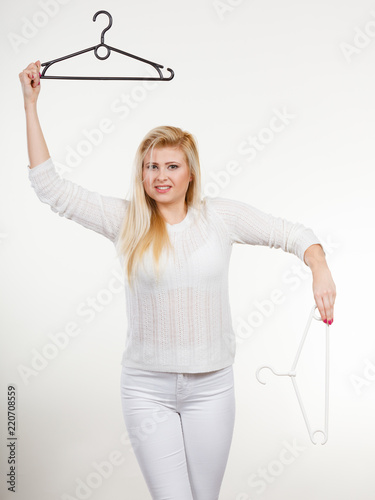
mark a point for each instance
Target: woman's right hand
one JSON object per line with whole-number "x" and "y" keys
{"x": 30, "y": 82}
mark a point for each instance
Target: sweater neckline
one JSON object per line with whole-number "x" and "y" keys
{"x": 180, "y": 226}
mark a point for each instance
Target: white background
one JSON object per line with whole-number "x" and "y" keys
{"x": 234, "y": 66}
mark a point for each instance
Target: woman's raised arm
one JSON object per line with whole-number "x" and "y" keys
{"x": 36, "y": 144}
{"x": 103, "y": 214}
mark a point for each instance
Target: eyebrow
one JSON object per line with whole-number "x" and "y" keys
{"x": 166, "y": 163}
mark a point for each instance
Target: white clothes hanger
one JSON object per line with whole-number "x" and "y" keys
{"x": 293, "y": 375}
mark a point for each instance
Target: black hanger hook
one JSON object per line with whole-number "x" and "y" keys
{"x": 102, "y": 44}
{"x": 109, "y": 25}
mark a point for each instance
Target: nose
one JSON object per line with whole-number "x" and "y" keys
{"x": 162, "y": 174}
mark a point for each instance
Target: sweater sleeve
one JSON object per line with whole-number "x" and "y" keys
{"x": 92, "y": 210}
{"x": 249, "y": 225}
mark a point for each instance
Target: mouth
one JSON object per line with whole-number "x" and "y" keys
{"x": 163, "y": 189}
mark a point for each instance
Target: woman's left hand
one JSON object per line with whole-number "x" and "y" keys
{"x": 324, "y": 290}
{"x": 324, "y": 287}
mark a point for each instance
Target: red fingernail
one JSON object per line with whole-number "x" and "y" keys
{"x": 330, "y": 321}
{"x": 325, "y": 321}
{"x": 40, "y": 74}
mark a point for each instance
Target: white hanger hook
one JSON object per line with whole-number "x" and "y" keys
{"x": 325, "y": 437}
{"x": 289, "y": 374}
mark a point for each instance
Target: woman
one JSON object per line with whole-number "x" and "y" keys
{"x": 177, "y": 378}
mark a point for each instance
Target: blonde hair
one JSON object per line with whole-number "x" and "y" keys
{"x": 143, "y": 225}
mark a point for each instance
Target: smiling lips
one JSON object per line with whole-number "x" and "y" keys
{"x": 162, "y": 189}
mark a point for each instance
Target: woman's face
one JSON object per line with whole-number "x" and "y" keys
{"x": 168, "y": 168}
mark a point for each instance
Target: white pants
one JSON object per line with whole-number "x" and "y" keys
{"x": 180, "y": 426}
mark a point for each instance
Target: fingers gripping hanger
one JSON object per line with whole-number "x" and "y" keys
{"x": 293, "y": 375}
{"x": 156, "y": 66}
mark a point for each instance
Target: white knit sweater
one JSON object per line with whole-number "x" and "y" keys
{"x": 181, "y": 323}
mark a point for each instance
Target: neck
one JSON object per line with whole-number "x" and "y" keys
{"x": 174, "y": 215}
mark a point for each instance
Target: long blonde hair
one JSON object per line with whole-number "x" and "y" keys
{"x": 143, "y": 224}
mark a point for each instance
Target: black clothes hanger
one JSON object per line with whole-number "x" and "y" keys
{"x": 156, "y": 66}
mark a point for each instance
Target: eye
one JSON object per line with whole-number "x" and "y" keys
{"x": 174, "y": 167}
